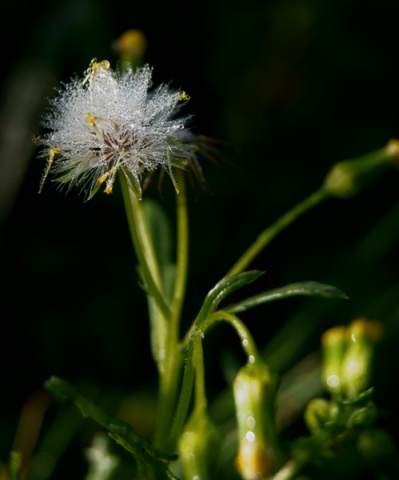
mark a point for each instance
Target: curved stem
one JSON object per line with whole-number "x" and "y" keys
{"x": 247, "y": 341}
{"x": 269, "y": 233}
{"x": 194, "y": 364}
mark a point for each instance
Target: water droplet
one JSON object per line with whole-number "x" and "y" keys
{"x": 333, "y": 381}
{"x": 250, "y": 436}
{"x": 251, "y": 422}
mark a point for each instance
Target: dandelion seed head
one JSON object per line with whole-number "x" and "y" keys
{"x": 110, "y": 122}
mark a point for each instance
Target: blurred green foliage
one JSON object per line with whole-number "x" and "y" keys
{"x": 293, "y": 86}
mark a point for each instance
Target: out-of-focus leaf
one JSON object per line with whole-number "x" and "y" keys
{"x": 15, "y": 466}
{"x": 150, "y": 461}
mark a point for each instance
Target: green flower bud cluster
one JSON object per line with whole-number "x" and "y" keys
{"x": 324, "y": 416}
{"x": 346, "y": 421}
{"x": 347, "y": 357}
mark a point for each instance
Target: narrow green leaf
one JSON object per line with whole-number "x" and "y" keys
{"x": 159, "y": 228}
{"x": 160, "y": 231}
{"x": 145, "y": 455}
{"x": 310, "y": 289}
{"x": 133, "y": 182}
{"x": 185, "y": 395}
{"x": 222, "y": 289}
{"x": 94, "y": 190}
{"x": 160, "y": 234}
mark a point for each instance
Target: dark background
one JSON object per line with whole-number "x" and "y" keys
{"x": 293, "y": 86}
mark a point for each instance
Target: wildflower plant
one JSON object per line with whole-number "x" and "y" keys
{"x": 112, "y": 125}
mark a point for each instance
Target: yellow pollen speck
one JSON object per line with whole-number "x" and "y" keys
{"x": 94, "y": 68}
{"x": 53, "y": 152}
{"x": 183, "y": 96}
{"x": 91, "y": 120}
{"x": 103, "y": 177}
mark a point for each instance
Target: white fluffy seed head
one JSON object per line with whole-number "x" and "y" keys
{"x": 109, "y": 122}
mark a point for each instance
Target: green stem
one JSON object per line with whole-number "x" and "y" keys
{"x": 168, "y": 385}
{"x": 181, "y": 254}
{"x": 170, "y": 378}
{"x": 143, "y": 246}
{"x": 194, "y": 364}
{"x": 198, "y": 361}
{"x": 247, "y": 341}
{"x": 269, "y": 233}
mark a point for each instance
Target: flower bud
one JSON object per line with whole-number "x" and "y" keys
{"x": 334, "y": 345}
{"x": 378, "y": 448}
{"x": 199, "y": 447}
{"x": 320, "y": 413}
{"x": 254, "y": 395}
{"x": 348, "y": 177}
{"x": 130, "y": 47}
{"x": 362, "y": 334}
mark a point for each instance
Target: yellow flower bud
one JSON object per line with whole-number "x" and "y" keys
{"x": 348, "y": 177}
{"x": 334, "y": 345}
{"x": 130, "y": 47}
{"x": 362, "y": 334}
{"x": 254, "y": 395}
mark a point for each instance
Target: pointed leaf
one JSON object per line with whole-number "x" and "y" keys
{"x": 222, "y": 289}
{"x": 145, "y": 455}
{"x": 310, "y": 289}
{"x": 94, "y": 190}
{"x": 185, "y": 394}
